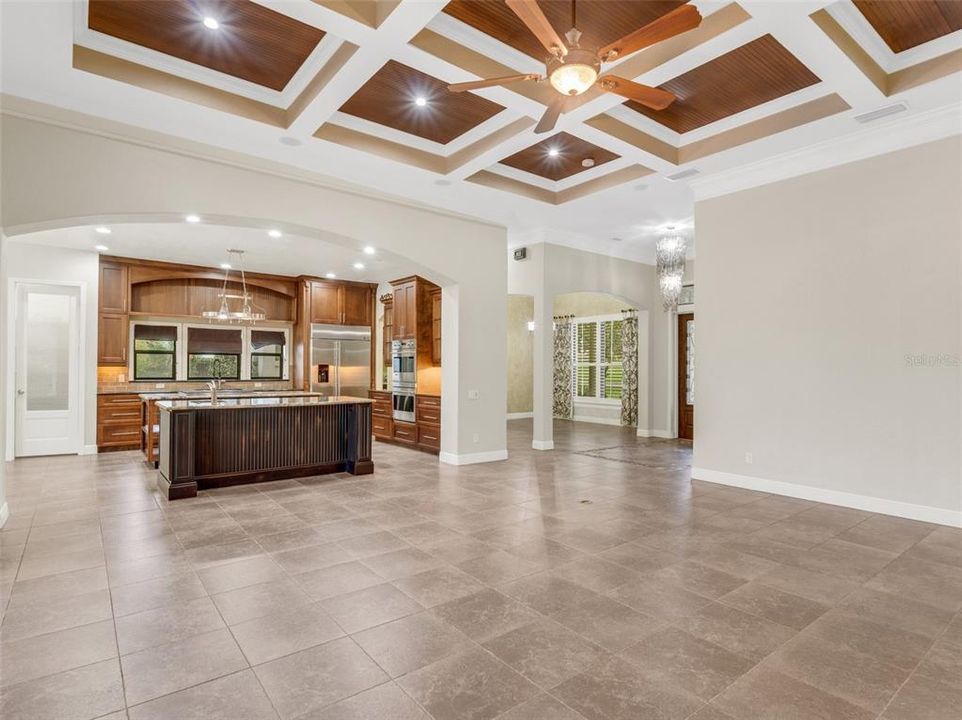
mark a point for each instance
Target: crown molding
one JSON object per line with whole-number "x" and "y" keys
{"x": 884, "y": 138}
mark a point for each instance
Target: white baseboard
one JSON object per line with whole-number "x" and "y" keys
{"x": 654, "y": 433}
{"x": 88, "y": 450}
{"x": 542, "y": 444}
{"x": 473, "y": 458}
{"x": 4, "y": 514}
{"x": 520, "y": 416}
{"x": 925, "y": 513}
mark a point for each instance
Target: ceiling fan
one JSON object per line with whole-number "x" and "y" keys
{"x": 572, "y": 70}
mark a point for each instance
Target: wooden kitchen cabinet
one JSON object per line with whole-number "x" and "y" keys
{"x": 386, "y": 334}
{"x": 112, "y": 331}
{"x": 118, "y": 422}
{"x": 405, "y": 310}
{"x": 436, "y": 326}
{"x": 336, "y": 303}
{"x": 324, "y": 305}
{"x": 113, "y": 288}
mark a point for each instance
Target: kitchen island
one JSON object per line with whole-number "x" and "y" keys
{"x": 244, "y": 440}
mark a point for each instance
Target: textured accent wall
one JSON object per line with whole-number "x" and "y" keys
{"x": 520, "y": 354}
{"x": 584, "y": 304}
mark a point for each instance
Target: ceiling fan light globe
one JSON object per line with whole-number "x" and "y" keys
{"x": 573, "y": 78}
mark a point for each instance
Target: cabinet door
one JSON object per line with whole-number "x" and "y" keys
{"x": 400, "y": 313}
{"x": 436, "y": 327}
{"x": 113, "y": 288}
{"x": 356, "y": 305}
{"x": 112, "y": 339}
{"x": 410, "y": 310}
{"x": 388, "y": 332}
{"x": 324, "y": 305}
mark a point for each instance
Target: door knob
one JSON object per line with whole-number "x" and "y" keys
{"x": 21, "y": 392}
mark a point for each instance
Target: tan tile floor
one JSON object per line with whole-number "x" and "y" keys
{"x": 596, "y": 581}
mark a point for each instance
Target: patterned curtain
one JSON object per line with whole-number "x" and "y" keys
{"x": 563, "y": 405}
{"x": 629, "y": 365}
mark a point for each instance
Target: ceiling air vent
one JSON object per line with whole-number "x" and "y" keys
{"x": 690, "y": 172}
{"x": 881, "y": 113}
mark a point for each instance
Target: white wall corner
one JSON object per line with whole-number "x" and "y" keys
{"x": 473, "y": 458}
{"x": 4, "y": 514}
{"x": 542, "y": 444}
{"x": 88, "y": 450}
{"x": 883, "y": 506}
{"x": 655, "y": 433}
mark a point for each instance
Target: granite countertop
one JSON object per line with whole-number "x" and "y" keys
{"x": 225, "y": 394}
{"x": 236, "y": 403}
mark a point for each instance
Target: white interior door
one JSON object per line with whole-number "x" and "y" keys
{"x": 47, "y": 370}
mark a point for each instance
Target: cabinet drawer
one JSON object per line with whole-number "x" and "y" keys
{"x": 382, "y": 427}
{"x": 406, "y": 432}
{"x": 430, "y": 414}
{"x": 432, "y": 401}
{"x": 117, "y": 400}
{"x": 382, "y": 407}
{"x": 119, "y": 435}
{"x": 119, "y": 414}
{"x": 429, "y": 436}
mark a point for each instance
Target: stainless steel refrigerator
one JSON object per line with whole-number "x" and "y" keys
{"x": 341, "y": 360}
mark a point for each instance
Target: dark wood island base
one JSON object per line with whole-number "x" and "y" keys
{"x": 249, "y": 440}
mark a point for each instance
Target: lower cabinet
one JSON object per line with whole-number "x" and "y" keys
{"x": 425, "y": 434}
{"x": 118, "y": 422}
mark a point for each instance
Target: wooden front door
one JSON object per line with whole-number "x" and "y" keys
{"x": 686, "y": 376}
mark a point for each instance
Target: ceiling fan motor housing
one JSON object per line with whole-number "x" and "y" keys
{"x": 575, "y": 72}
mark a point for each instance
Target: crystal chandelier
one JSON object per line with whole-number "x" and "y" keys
{"x": 247, "y": 312}
{"x": 670, "y": 264}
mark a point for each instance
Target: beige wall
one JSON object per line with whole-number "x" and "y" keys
{"x": 89, "y": 178}
{"x": 582, "y": 304}
{"x": 817, "y": 299}
{"x": 520, "y": 354}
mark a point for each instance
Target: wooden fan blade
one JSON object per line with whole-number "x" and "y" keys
{"x": 679, "y": 20}
{"x": 532, "y": 16}
{"x": 551, "y": 115}
{"x": 491, "y": 82}
{"x": 648, "y": 96}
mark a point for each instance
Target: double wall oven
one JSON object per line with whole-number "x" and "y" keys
{"x": 404, "y": 378}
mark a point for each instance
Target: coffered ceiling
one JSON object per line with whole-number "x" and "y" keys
{"x": 356, "y": 90}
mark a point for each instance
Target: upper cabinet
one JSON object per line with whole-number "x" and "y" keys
{"x": 113, "y": 287}
{"x": 435, "y": 296}
{"x": 340, "y": 303}
{"x": 405, "y": 310}
{"x": 388, "y": 323}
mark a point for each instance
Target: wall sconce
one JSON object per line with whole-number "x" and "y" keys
{"x": 530, "y": 325}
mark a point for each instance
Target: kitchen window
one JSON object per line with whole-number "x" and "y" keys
{"x": 596, "y": 351}
{"x": 214, "y": 352}
{"x": 155, "y": 352}
{"x": 267, "y": 354}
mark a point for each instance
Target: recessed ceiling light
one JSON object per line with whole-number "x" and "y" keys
{"x": 101, "y": 248}
{"x": 288, "y": 140}
{"x": 553, "y": 152}
{"x": 588, "y": 162}
{"x": 420, "y": 101}
{"x": 103, "y": 230}
{"x": 225, "y": 266}
{"x": 330, "y": 276}
{"x": 358, "y": 266}
{"x": 192, "y": 218}
{"x": 274, "y": 233}
{"x": 211, "y": 23}
{"x": 368, "y": 250}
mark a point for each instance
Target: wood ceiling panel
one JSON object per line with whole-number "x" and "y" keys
{"x": 252, "y": 43}
{"x": 388, "y": 98}
{"x": 747, "y": 76}
{"x": 571, "y": 151}
{"x": 905, "y": 24}
{"x": 600, "y": 21}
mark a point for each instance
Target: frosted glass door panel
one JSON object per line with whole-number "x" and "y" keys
{"x": 47, "y": 334}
